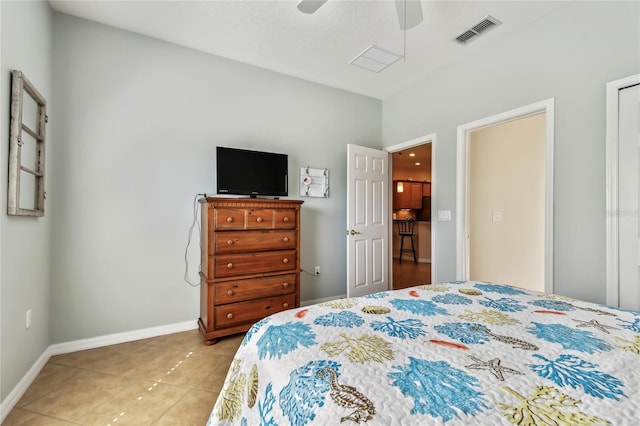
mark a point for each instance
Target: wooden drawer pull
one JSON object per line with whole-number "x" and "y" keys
{"x": 230, "y": 292}
{"x": 285, "y": 260}
{"x": 229, "y": 219}
{"x": 285, "y": 305}
{"x": 230, "y": 265}
{"x": 259, "y": 219}
{"x": 229, "y": 315}
{"x": 285, "y": 219}
{"x": 285, "y": 239}
{"x": 285, "y": 285}
{"x": 229, "y": 242}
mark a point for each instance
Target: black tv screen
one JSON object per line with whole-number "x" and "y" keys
{"x": 254, "y": 173}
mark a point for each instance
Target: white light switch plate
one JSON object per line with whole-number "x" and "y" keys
{"x": 496, "y": 216}
{"x": 444, "y": 215}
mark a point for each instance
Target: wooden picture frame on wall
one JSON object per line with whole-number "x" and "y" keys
{"x": 26, "y": 192}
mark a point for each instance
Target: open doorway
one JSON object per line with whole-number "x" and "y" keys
{"x": 411, "y": 231}
{"x": 502, "y": 220}
{"x": 506, "y": 202}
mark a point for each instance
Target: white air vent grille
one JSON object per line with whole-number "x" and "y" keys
{"x": 375, "y": 59}
{"x": 476, "y": 30}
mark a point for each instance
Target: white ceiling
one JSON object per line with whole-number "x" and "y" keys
{"x": 405, "y": 162}
{"x": 276, "y": 36}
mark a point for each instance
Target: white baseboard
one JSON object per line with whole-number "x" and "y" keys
{"x": 80, "y": 345}
{"x": 322, "y": 300}
{"x": 14, "y": 396}
{"x": 114, "y": 339}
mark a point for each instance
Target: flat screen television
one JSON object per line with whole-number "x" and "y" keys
{"x": 253, "y": 173}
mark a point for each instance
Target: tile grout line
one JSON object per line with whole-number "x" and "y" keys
{"x": 169, "y": 348}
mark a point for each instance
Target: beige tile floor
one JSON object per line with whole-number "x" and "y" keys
{"x": 165, "y": 380}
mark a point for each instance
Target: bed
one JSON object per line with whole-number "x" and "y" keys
{"x": 456, "y": 353}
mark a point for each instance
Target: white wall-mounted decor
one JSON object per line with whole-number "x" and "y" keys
{"x": 314, "y": 182}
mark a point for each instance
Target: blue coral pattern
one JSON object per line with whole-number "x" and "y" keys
{"x": 448, "y": 357}
{"x": 633, "y": 325}
{"x": 305, "y": 391}
{"x": 452, "y": 299}
{"x": 438, "y": 389}
{"x": 340, "y": 319}
{"x": 403, "y": 329}
{"x": 420, "y": 307}
{"x": 554, "y": 305}
{"x": 253, "y": 330}
{"x": 500, "y": 289}
{"x": 464, "y": 332}
{"x": 504, "y": 304}
{"x": 279, "y": 340}
{"x": 570, "y": 370}
{"x": 569, "y": 338}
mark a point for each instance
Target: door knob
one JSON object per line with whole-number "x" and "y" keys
{"x": 352, "y": 232}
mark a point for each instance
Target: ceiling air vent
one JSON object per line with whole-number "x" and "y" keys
{"x": 375, "y": 59}
{"x": 476, "y": 30}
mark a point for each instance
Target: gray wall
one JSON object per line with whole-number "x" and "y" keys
{"x": 137, "y": 122}
{"x": 25, "y": 248}
{"x": 569, "y": 55}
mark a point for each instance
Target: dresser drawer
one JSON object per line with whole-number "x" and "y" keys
{"x": 244, "y": 312}
{"x": 255, "y": 288}
{"x": 243, "y": 241}
{"x": 254, "y": 263}
{"x": 284, "y": 218}
{"x": 240, "y": 218}
{"x": 228, "y": 218}
{"x": 259, "y": 219}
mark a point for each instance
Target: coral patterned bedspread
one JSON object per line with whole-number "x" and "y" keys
{"x": 457, "y": 353}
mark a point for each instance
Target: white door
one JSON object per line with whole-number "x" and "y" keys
{"x": 628, "y": 194}
{"x": 367, "y": 220}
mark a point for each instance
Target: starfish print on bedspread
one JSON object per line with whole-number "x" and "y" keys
{"x": 595, "y": 324}
{"x": 492, "y": 365}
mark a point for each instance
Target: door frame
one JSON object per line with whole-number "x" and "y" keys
{"x": 612, "y": 90}
{"x": 462, "y": 183}
{"x": 430, "y": 138}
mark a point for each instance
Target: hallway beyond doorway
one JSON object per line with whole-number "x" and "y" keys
{"x": 409, "y": 274}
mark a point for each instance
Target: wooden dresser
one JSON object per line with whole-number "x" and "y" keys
{"x": 250, "y": 262}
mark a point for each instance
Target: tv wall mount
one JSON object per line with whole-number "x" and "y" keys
{"x": 314, "y": 182}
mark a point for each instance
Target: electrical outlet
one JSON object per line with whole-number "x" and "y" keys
{"x": 317, "y": 271}
{"x": 27, "y": 319}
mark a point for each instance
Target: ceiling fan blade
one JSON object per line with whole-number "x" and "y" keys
{"x": 409, "y": 13}
{"x": 310, "y": 6}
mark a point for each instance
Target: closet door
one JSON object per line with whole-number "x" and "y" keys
{"x": 628, "y": 195}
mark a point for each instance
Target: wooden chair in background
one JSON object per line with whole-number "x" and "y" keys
{"x": 406, "y": 230}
